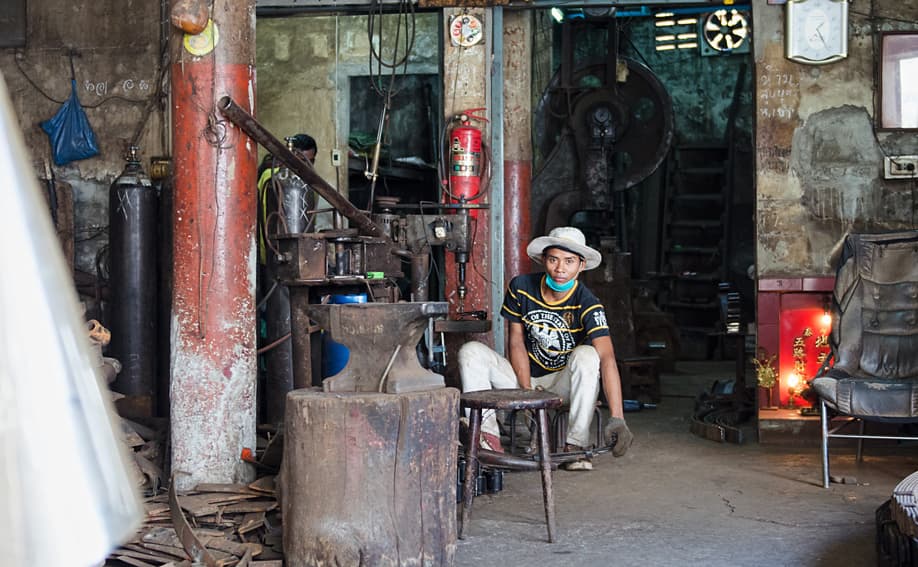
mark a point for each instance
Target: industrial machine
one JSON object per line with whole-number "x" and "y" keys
{"x": 366, "y": 259}
{"x": 603, "y": 127}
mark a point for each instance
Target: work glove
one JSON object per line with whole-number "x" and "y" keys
{"x": 617, "y": 435}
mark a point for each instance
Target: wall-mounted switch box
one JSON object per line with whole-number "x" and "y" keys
{"x": 900, "y": 167}
{"x": 336, "y": 157}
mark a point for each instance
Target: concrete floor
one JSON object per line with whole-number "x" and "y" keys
{"x": 677, "y": 499}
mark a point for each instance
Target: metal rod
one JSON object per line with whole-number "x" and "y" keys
{"x": 824, "y": 441}
{"x": 497, "y": 212}
{"x": 385, "y": 374}
{"x": 245, "y": 121}
{"x": 885, "y": 437}
{"x": 373, "y": 173}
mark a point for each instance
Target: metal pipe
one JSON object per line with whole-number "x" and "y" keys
{"x": 238, "y": 116}
{"x": 824, "y": 441}
{"x": 373, "y": 173}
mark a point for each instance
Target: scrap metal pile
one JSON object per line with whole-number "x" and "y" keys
{"x": 226, "y": 525}
{"x": 213, "y": 525}
{"x": 720, "y": 413}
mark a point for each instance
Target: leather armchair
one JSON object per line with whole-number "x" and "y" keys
{"x": 874, "y": 339}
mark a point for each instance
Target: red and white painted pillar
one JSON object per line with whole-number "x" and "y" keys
{"x": 517, "y": 141}
{"x": 213, "y": 366}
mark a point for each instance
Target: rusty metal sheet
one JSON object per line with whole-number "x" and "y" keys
{"x": 193, "y": 546}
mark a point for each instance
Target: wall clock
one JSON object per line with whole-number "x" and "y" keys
{"x": 816, "y": 31}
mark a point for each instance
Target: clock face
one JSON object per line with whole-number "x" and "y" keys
{"x": 816, "y": 31}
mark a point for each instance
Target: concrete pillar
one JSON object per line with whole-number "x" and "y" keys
{"x": 517, "y": 140}
{"x": 213, "y": 371}
{"x": 466, "y": 85}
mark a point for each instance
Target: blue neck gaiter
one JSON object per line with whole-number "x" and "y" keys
{"x": 560, "y": 288}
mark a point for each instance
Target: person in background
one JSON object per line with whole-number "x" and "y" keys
{"x": 305, "y": 148}
{"x": 285, "y": 205}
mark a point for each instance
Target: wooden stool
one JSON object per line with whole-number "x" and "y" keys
{"x": 511, "y": 400}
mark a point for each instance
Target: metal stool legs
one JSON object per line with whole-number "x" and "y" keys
{"x": 471, "y": 471}
{"x": 548, "y": 496}
{"x": 471, "y": 468}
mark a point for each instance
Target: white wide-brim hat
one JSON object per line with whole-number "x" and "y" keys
{"x": 568, "y": 238}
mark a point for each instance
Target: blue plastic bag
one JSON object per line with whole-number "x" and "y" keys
{"x": 69, "y": 131}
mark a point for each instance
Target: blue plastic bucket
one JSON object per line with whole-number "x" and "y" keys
{"x": 335, "y": 355}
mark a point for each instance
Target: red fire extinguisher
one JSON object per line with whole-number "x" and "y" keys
{"x": 465, "y": 158}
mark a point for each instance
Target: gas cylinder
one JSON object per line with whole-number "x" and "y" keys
{"x": 291, "y": 198}
{"x": 133, "y": 213}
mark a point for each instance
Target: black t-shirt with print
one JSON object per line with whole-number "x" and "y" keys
{"x": 552, "y": 330}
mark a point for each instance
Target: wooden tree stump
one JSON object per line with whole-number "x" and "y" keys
{"x": 370, "y": 479}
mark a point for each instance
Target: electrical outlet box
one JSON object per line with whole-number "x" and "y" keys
{"x": 900, "y": 167}
{"x": 336, "y": 157}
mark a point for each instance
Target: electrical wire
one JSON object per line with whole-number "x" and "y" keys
{"x": 405, "y": 14}
{"x": 16, "y": 60}
{"x": 267, "y": 296}
{"x": 157, "y": 96}
{"x": 873, "y": 16}
{"x": 274, "y": 344}
{"x": 337, "y": 86}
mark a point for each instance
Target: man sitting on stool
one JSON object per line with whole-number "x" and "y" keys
{"x": 559, "y": 341}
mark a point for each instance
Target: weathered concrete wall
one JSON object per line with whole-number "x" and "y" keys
{"x": 116, "y": 74}
{"x": 701, "y": 86}
{"x": 304, "y": 64}
{"x": 819, "y": 162}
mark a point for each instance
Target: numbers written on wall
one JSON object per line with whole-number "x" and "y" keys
{"x": 103, "y": 88}
{"x": 778, "y": 94}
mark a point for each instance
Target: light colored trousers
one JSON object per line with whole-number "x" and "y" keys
{"x": 578, "y": 383}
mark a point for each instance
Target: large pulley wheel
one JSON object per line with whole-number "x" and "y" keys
{"x": 639, "y": 108}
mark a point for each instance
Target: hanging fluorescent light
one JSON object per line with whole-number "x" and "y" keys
{"x": 557, "y": 14}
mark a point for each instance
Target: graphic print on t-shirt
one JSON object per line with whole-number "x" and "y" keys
{"x": 550, "y": 339}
